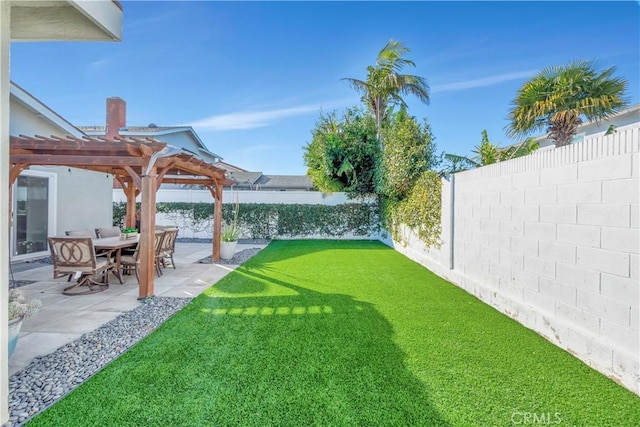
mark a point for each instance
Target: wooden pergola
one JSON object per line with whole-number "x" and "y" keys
{"x": 140, "y": 165}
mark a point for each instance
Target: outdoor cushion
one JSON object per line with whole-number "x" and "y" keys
{"x": 100, "y": 264}
{"x": 81, "y": 233}
{"x": 107, "y": 231}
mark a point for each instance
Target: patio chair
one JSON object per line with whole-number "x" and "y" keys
{"x": 102, "y": 232}
{"x": 131, "y": 262}
{"x": 76, "y": 256}
{"x": 168, "y": 246}
{"x": 159, "y": 242}
{"x": 82, "y": 233}
{"x": 86, "y": 233}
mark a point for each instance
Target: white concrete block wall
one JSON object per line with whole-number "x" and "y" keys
{"x": 552, "y": 240}
{"x": 284, "y": 197}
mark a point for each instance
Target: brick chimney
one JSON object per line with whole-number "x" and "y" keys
{"x": 116, "y": 116}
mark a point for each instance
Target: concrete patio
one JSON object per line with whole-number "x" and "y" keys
{"x": 63, "y": 319}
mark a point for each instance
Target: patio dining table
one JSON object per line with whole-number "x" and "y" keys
{"x": 111, "y": 243}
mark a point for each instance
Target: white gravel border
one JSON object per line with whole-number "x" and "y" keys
{"x": 49, "y": 378}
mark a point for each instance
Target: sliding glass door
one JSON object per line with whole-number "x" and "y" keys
{"x": 32, "y": 206}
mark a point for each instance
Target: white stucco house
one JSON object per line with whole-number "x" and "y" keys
{"x": 49, "y": 200}
{"x": 25, "y": 21}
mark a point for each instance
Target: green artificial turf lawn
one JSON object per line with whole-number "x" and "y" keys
{"x": 342, "y": 333}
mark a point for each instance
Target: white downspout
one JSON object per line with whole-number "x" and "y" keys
{"x": 452, "y": 217}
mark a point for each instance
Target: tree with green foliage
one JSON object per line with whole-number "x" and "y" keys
{"x": 385, "y": 85}
{"x": 488, "y": 153}
{"x": 348, "y": 154}
{"x": 408, "y": 151}
{"x": 561, "y": 97}
{"x": 527, "y": 146}
{"x": 420, "y": 210}
{"x": 343, "y": 153}
{"x": 453, "y": 163}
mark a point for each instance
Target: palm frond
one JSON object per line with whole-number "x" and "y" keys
{"x": 562, "y": 97}
{"x": 456, "y": 163}
{"x": 385, "y": 84}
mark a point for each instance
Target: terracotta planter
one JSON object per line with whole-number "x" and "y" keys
{"x": 14, "y": 331}
{"x": 227, "y": 249}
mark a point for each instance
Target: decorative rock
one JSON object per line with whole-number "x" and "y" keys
{"x": 48, "y": 378}
{"x": 237, "y": 259}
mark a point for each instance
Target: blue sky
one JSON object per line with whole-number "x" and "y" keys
{"x": 252, "y": 77}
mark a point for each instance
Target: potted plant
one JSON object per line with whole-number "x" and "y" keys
{"x": 229, "y": 239}
{"x": 229, "y": 236}
{"x": 128, "y": 233}
{"x": 19, "y": 308}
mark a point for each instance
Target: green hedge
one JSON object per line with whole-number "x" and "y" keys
{"x": 269, "y": 221}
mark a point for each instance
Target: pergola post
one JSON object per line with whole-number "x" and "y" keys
{"x": 131, "y": 187}
{"x": 146, "y": 245}
{"x": 130, "y": 216}
{"x": 216, "y": 192}
{"x": 131, "y": 191}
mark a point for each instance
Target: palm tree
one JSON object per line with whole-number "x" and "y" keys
{"x": 561, "y": 97}
{"x": 385, "y": 85}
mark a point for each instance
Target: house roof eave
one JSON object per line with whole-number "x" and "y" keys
{"x": 66, "y": 20}
{"x": 42, "y": 110}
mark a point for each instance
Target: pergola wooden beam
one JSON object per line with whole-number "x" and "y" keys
{"x": 139, "y": 165}
{"x": 74, "y": 160}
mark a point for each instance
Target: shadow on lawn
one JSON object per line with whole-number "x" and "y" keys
{"x": 310, "y": 358}
{"x": 280, "y": 250}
